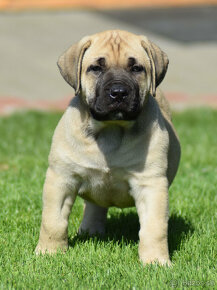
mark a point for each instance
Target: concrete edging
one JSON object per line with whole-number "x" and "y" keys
{"x": 178, "y": 101}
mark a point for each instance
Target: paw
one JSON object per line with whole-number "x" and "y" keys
{"x": 92, "y": 229}
{"x": 50, "y": 249}
{"x": 156, "y": 260}
{"x": 151, "y": 258}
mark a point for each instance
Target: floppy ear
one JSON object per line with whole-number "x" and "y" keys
{"x": 158, "y": 62}
{"x": 70, "y": 63}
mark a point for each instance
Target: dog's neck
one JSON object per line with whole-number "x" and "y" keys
{"x": 98, "y": 126}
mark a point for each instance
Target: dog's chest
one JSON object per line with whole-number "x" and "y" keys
{"x": 105, "y": 177}
{"x": 106, "y": 188}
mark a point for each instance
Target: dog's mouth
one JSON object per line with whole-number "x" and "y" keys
{"x": 113, "y": 115}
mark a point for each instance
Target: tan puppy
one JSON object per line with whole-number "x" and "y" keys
{"x": 115, "y": 144}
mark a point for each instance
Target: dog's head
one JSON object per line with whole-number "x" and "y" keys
{"x": 114, "y": 72}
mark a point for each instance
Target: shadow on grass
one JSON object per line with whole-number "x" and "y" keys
{"x": 179, "y": 229}
{"x": 123, "y": 229}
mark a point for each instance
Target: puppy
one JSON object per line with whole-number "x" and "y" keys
{"x": 115, "y": 145}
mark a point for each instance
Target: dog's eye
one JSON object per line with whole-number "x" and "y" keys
{"x": 94, "y": 68}
{"x": 137, "y": 68}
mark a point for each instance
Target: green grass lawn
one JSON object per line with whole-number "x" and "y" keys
{"x": 111, "y": 262}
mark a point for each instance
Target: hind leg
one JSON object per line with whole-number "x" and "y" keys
{"x": 94, "y": 219}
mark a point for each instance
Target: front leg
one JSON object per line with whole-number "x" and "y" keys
{"x": 58, "y": 198}
{"x": 152, "y": 206}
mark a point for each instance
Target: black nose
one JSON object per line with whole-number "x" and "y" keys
{"x": 118, "y": 91}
